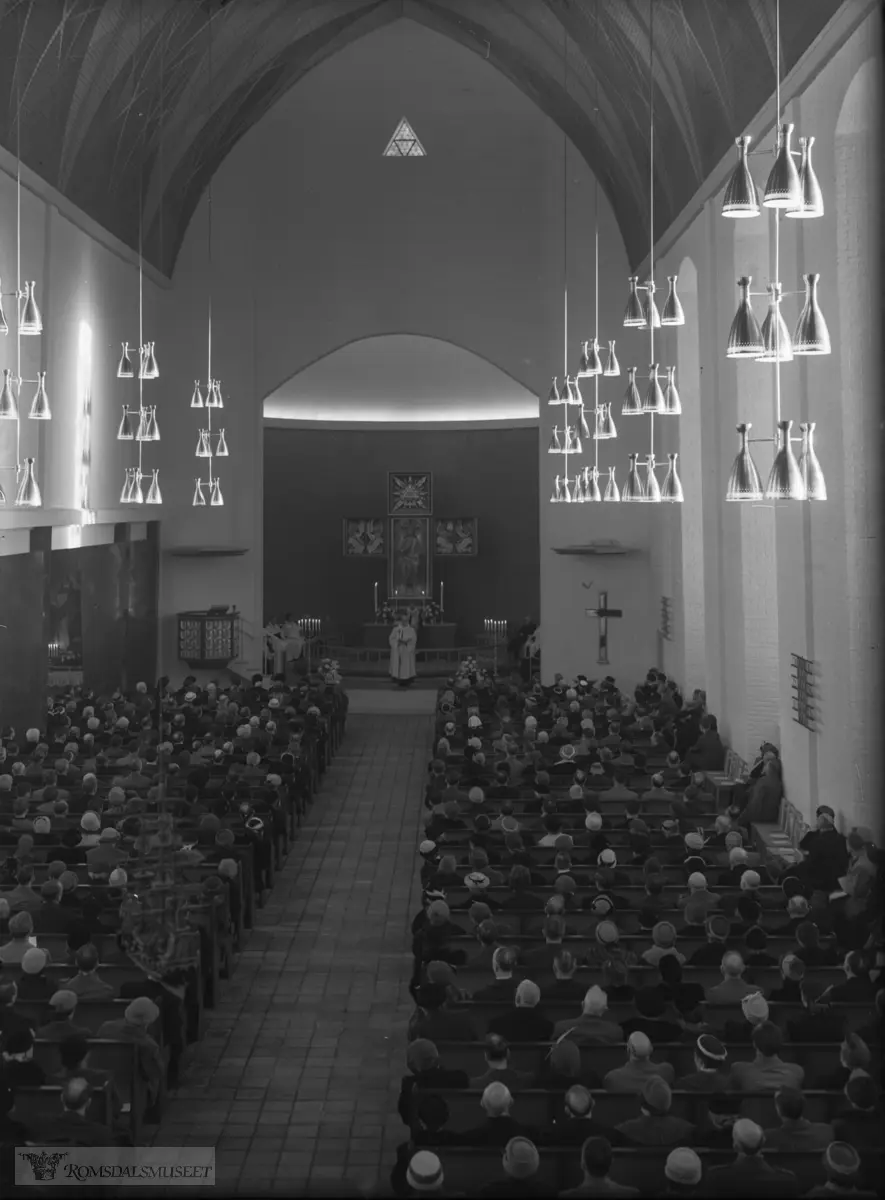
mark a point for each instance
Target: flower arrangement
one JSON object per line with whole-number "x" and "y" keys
{"x": 330, "y": 669}
{"x": 387, "y": 613}
{"x": 431, "y": 613}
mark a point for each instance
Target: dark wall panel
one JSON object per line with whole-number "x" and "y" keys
{"x": 141, "y": 628}
{"x": 105, "y": 597}
{"x": 23, "y": 644}
{"x": 314, "y": 478}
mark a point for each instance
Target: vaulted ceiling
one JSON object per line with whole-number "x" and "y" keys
{"x": 113, "y": 99}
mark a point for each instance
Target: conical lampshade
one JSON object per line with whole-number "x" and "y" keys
{"x": 27, "y": 493}
{"x": 4, "y": 324}
{"x": 654, "y": 396}
{"x": 556, "y": 494}
{"x": 141, "y": 434}
{"x": 672, "y": 402}
{"x": 137, "y": 494}
{"x": 555, "y": 446}
{"x": 632, "y": 406}
{"x": 740, "y": 198}
{"x": 204, "y": 449}
{"x": 574, "y": 393}
{"x": 143, "y": 362}
{"x": 40, "y": 410}
{"x": 124, "y": 430}
{"x": 745, "y": 336}
{"x": 155, "y": 496}
{"x": 612, "y": 366}
{"x": 599, "y": 431}
{"x": 124, "y": 367}
{"x": 776, "y": 344}
{"x": 673, "y": 313}
{"x": 126, "y": 491}
{"x": 652, "y": 487}
{"x": 634, "y": 313}
{"x": 650, "y": 306}
{"x": 222, "y": 451}
{"x": 671, "y": 492}
{"x": 812, "y": 335}
{"x": 809, "y": 467}
{"x": 591, "y": 487}
{"x": 583, "y": 427}
{"x": 785, "y": 479}
{"x": 8, "y": 402}
{"x": 584, "y": 363}
{"x": 553, "y": 396}
{"x": 197, "y": 397}
{"x": 573, "y": 441}
{"x": 744, "y": 482}
{"x": 593, "y": 360}
{"x": 153, "y": 429}
{"x": 2, "y": 496}
{"x": 31, "y": 323}
{"x": 608, "y": 425}
{"x": 152, "y": 371}
{"x": 578, "y": 496}
{"x": 812, "y": 197}
{"x": 783, "y": 189}
{"x": 633, "y": 491}
{"x": 565, "y": 390}
{"x": 567, "y": 497}
{"x": 219, "y": 399}
{"x": 212, "y": 395}
{"x": 199, "y": 500}
{"x": 612, "y": 492}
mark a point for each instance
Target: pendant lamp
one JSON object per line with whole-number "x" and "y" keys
{"x": 785, "y": 479}
{"x": 28, "y": 492}
{"x": 612, "y": 366}
{"x": 632, "y": 406}
{"x": 40, "y": 410}
{"x": 578, "y": 495}
{"x": 634, "y": 313}
{"x": 673, "y": 313}
{"x": 142, "y": 363}
{"x": 154, "y": 495}
{"x": 555, "y": 446}
{"x": 574, "y": 393}
{"x": 137, "y": 494}
{"x": 740, "y": 198}
{"x": 812, "y": 197}
{"x": 197, "y": 397}
{"x": 153, "y": 429}
{"x": 141, "y": 434}
{"x": 124, "y": 429}
{"x": 809, "y": 467}
{"x": 654, "y": 396}
{"x": 152, "y": 371}
{"x": 573, "y": 441}
{"x": 652, "y": 487}
{"x": 783, "y": 189}
{"x": 31, "y": 324}
{"x": 8, "y": 402}
{"x": 124, "y": 368}
{"x": 591, "y": 486}
{"x": 745, "y": 336}
{"x": 671, "y": 492}
{"x": 612, "y": 492}
{"x": 608, "y": 425}
{"x": 216, "y": 499}
{"x": 812, "y": 335}
{"x": 672, "y": 402}
{"x": 583, "y": 427}
{"x": 199, "y": 500}
{"x": 566, "y": 490}
{"x": 744, "y": 482}
{"x": 776, "y": 344}
{"x": 2, "y": 496}
{"x": 594, "y": 361}
{"x": 4, "y": 324}
{"x": 222, "y": 450}
{"x": 126, "y": 492}
{"x": 556, "y": 494}
{"x": 633, "y": 491}
{"x": 219, "y": 399}
{"x": 650, "y": 307}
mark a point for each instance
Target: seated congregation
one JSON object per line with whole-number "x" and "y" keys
{"x": 618, "y": 991}
{"x": 139, "y": 836}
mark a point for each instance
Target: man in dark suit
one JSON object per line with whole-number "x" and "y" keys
{"x": 504, "y": 962}
{"x": 817, "y": 1023}
{"x": 826, "y": 854}
{"x": 427, "y": 1072}
{"x": 577, "y": 1123}
{"x": 525, "y": 1022}
{"x": 498, "y": 1127}
{"x": 72, "y": 1126}
{"x": 857, "y": 987}
{"x": 499, "y": 1070}
{"x": 749, "y": 1174}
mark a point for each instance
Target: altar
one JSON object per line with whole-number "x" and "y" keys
{"x": 439, "y": 636}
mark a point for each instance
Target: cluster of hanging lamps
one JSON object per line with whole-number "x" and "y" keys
{"x": 792, "y": 192}
{"x": 659, "y": 397}
{"x": 29, "y": 323}
{"x": 211, "y": 443}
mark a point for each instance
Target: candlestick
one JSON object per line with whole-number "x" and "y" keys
{"x": 376, "y": 597}
{"x": 442, "y": 607}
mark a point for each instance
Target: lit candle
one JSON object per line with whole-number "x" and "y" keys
{"x": 376, "y": 597}
{"x": 442, "y": 607}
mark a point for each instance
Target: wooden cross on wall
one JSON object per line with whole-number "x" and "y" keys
{"x": 603, "y": 612}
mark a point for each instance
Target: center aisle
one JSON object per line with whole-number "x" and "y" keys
{"x": 297, "y": 1078}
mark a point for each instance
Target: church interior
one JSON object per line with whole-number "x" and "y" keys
{"x": 440, "y": 596}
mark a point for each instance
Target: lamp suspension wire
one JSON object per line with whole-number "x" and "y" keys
{"x": 565, "y": 244}
{"x": 651, "y": 200}
{"x": 596, "y": 261}
{"x": 18, "y": 273}
{"x": 777, "y": 214}
{"x": 209, "y": 247}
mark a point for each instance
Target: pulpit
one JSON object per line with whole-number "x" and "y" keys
{"x": 209, "y": 639}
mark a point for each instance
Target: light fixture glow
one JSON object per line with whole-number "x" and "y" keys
{"x": 634, "y": 313}
{"x": 197, "y": 397}
{"x": 652, "y": 493}
{"x": 809, "y": 467}
{"x": 154, "y": 496}
{"x": 673, "y": 313}
{"x": 31, "y": 323}
{"x": 556, "y": 494}
{"x": 124, "y": 367}
{"x": 8, "y": 402}
{"x": 741, "y": 200}
{"x": 672, "y": 402}
{"x": 812, "y": 197}
{"x": 28, "y": 492}
{"x": 555, "y": 446}
{"x": 632, "y": 406}
{"x": 776, "y": 344}
{"x": 785, "y": 479}
{"x": 633, "y": 491}
{"x": 199, "y": 500}
{"x": 812, "y": 335}
{"x": 612, "y": 492}
{"x": 222, "y": 450}
{"x": 612, "y": 366}
{"x": 40, "y": 410}
{"x": 654, "y": 396}
{"x": 744, "y": 483}
{"x": 671, "y": 492}
{"x": 745, "y": 336}
{"x": 783, "y": 189}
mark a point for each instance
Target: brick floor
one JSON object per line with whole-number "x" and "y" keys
{"x": 296, "y": 1080}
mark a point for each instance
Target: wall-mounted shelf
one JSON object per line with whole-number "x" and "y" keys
{"x": 206, "y": 551}
{"x": 595, "y": 549}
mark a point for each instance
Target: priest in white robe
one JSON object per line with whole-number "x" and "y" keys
{"x": 403, "y": 640}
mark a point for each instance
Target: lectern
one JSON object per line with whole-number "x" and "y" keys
{"x": 209, "y": 639}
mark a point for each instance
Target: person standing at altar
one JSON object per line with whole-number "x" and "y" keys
{"x": 292, "y": 636}
{"x": 403, "y": 640}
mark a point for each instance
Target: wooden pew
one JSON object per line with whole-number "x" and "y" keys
{"x": 118, "y": 1058}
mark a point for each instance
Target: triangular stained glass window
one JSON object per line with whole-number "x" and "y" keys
{"x": 404, "y": 143}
